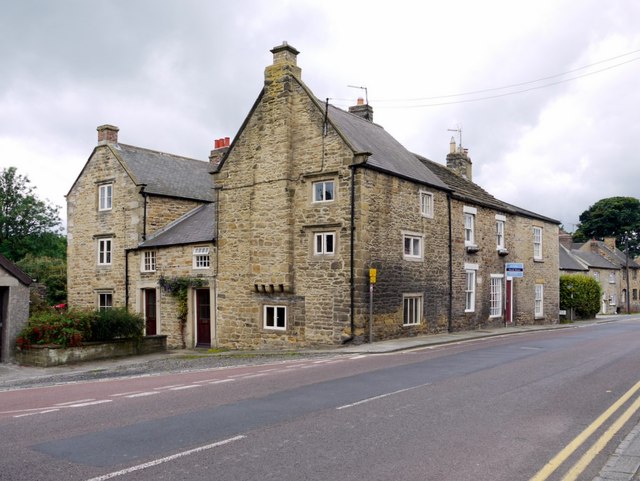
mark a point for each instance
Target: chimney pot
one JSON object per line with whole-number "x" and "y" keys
{"x": 360, "y": 101}
{"x": 216, "y": 144}
{"x": 226, "y": 141}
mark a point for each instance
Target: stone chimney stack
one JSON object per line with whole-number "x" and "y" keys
{"x": 221, "y": 147}
{"x": 565, "y": 239}
{"x": 458, "y": 161}
{"x": 284, "y": 62}
{"x": 610, "y": 242}
{"x": 593, "y": 245}
{"x": 107, "y": 134}
{"x": 362, "y": 110}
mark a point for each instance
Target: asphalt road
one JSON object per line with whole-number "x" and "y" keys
{"x": 513, "y": 408}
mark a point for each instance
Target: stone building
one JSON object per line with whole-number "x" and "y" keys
{"x": 124, "y": 196}
{"x": 307, "y": 200}
{"x": 14, "y": 306}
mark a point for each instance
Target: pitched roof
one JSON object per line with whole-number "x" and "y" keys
{"x": 197, "y": 225}
{"x": 15, "y": 271}
{"x": 166, "y": 174}
{"x": 593, "y": 260}
{"x": 618, "y": 255}
{"x": 387, "y": 154}
{"x": 569, "y": 262}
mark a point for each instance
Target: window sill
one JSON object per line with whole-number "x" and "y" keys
{"x": 538, "y": 259}
{"x": 502, "y": 252}
{"x": 471, "y": 249}
{"x": 413, "y": 259}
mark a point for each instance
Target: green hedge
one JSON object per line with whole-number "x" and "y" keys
{"x": 70, "y": 328}
{"x": 582, "y": 293}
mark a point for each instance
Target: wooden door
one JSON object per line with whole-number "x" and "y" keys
{"x": 150, "y": 315}
{"x": 203, "y": 317}
{"x": 508, "y": 314}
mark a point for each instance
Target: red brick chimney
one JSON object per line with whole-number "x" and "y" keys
{"x": 107, "y": 134}
{"x": 221, "y": 147}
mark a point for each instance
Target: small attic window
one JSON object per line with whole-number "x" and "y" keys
{"x": 201, "y": 258}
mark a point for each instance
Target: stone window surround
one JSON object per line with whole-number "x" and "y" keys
{"x": 105, "y": 196}
{"x": 322, "y": 237}
{"x": 412, "y": 236}
{"x": 471, "y": 271}
{"x": 426, "y": 203}
{"x": 104, "y": 250}
{"x": 201, "y": 257}
{"x": 501, "y": 223}
{"x": 271, "y": 314}
{"x": 412, "y": 309}
{"x": 323, "y": 182}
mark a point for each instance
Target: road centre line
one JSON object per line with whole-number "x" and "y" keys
{"x": 180, "y": 388}
{"x": 75, "y": 402}
{"x": 166, "y": 459}
{"x": 381, "y": 396}
{"x": 122, "y": 394}
{"x": 577, "y": 469}
{"x": 92, "y": 403}
{"x": 570, "y": 448}
{"x": 142, "y": 394}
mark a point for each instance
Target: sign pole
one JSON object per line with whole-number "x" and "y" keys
{"x": 372, "y": 282}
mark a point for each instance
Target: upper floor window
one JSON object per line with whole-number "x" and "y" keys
{"x": 412, "y": 246}
{"x": 500, "y": 223}
{"x": 323, "y": 191}
{"x": 539, "y": 297}
{"x": 149, "y": 261}
{"x": 201, "y": 259}
{"x": 612, "y": 277}
{"x": 105, "y": 247}
{"x": 275, "y": 317}
{"x": 411, "y": 309}
{"x": 324, "y": 243}
{"x": 470, "y": 225}
{"x": 426, "y": 204}
{"x": 537, "y": 243}
{"x": 105, "y": 197}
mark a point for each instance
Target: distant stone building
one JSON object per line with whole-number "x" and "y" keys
{"x": 14, "y": 306}
{"x": 302, "y": 205}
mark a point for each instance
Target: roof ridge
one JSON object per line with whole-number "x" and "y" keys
{"x": 162, "y": 153}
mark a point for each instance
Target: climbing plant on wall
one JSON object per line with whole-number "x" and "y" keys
{"x": 178, "y": 288}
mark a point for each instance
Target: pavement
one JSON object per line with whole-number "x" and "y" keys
{"x": 623, "y": 465}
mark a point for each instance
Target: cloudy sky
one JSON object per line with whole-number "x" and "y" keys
{"x": 546, "y": 92}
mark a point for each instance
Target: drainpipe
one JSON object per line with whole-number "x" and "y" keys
{"x": 126, "y": 278}
{"x": 144, "y": 212}
{"x": 352, "y": 279}
{"x": 450, "y": 308}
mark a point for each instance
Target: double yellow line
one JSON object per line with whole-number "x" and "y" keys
{"x": 598, "y": 446}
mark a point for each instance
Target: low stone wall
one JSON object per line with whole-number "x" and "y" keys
{"x": 46, "y": 356}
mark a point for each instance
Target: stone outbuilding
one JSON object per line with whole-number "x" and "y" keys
{"x": 14, "y": 306}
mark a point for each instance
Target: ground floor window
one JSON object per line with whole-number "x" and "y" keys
{"x": 470, "y": 288}
{"x": 412, "y": 309}
{"x": 105, "y": 301}
{"x": 496, "y": 296}
{"x": 275, "y": 317}
{"x": 539, "y": 295}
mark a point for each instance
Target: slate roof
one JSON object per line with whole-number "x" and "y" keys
{"x": 166, "y": 174}
{"x": 619, "y": 256}
{"x": 594, "y": 260}
{"x": 15, "y": 271}
{"x": 195, "y": 226}
{"x": 569, "y": 262}
{"x": 387, "y": 154}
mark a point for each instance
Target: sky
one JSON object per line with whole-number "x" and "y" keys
{"x": 546, "y": 93}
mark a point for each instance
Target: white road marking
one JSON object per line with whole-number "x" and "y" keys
{"x": 122, "y": 394}
{"x": 180, "y": 388}
{"x": 381, "y": 396}
{"x": 156, "y": 462}
{"x": 92, "y": 403}
{"x": 220, "y": 381}
{"x": 249, "y": 376}
{"x": 142, "y": 394}
{"x": 75, "y": 402}
{"x": 167, "y": 387}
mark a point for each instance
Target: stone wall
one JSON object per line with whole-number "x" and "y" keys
{"x": 14, "y": 312}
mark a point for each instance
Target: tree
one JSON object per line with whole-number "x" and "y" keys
{"x": 50, "y": 272}
{"x": 617, "y": 217}
{"x": 27, "y": 224}
{"x": 581, "y": 293}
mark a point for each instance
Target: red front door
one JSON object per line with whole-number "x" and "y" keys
{"x": 508, "y": 314}
{"x": 150, "y": 316}
{"x": 203, "y": 317}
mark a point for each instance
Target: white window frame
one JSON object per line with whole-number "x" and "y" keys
{"x": 201, "y": 258}
{"x": 501, "y": 222}
{"x": 323, "y": 184}
{"x": 321, "y": 245}
{"x": 496, "y": 294}
{"x": 275, "y": 310}
{"x": 102, "y": 297}
{"x": 612, "y": 277}
{"x": 596, "y": 276}
{"x": 426, "y": 204}
{"x": 613, "y": 301}
{"x": 471, "y": 271}
{"x": 149, "y": 261}
{"x": 414, "y": 240}
{"x": 412, "y": 309}
{"x": 537, "y": 243}
{"x": 539, "y": 301}
{"x": 469, "y": 225}
{"x": 105, "y": 197}
{"x": 105, "y": 251}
